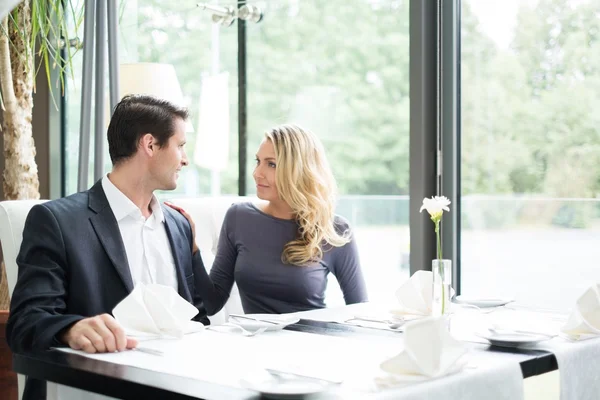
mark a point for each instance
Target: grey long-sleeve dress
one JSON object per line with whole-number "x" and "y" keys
{"x": 249, "y": 253}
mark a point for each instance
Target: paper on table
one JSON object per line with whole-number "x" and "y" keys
{"x": 429, "y": 350}
{"x": 584, "y": 321}
{"x": 156, "y": 310}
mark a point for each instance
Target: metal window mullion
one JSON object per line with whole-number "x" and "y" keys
{"x": 423, "y": 128}
{"x": 242, "y": 105}
{"x": 449, "y": 133}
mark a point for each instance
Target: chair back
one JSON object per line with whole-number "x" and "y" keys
{"x": 13, "y": 214}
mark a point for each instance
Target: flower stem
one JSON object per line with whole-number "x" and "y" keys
{"x": 440, "y": 263}
{"x": 439, "y": 242}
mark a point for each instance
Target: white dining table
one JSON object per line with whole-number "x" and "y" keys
{"x": 322, "y": 345}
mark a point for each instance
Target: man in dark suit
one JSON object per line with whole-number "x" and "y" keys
{"x": 81, "y": 255}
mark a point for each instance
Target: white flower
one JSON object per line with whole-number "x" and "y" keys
{"x": 435, "y": 206}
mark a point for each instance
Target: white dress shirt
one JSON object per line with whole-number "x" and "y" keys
{"x": 149, "y": 252}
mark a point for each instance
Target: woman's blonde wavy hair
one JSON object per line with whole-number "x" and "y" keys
{"x": 305, "y": 182}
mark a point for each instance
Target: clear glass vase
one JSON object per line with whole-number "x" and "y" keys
{"x": 442, "y": 281}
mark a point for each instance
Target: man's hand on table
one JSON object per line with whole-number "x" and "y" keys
{"x": 99, "y": 334}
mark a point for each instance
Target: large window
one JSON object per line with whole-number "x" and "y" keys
{"x": 205, "y": 60}
{"x": 337, "y": 67}
{"x": 530, "y": 148}
{"x": 340, "y": 68}
{"x": 529, "y": 136}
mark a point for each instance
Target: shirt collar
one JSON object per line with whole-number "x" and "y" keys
{"x": 122, "y": 206}
{"x": 157, "y": 211}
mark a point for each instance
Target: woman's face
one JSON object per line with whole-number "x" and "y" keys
{"x": 264, "y": 172}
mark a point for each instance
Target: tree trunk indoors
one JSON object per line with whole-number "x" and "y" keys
{"x": 20, "y": 177}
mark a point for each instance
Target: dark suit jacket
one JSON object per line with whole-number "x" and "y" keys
{"x": 73, "y": 265}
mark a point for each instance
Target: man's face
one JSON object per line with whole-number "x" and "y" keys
{"x": 170, "y": 159}
{"x": 264, "y": 172}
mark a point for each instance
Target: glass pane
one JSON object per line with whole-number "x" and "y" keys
{"x": 530, "y": 149}
{"x": 72, "y": 118}
{"x": 340, "y": 68}
{"x": 73, "y": 104}
{"x": 205, "y": 60}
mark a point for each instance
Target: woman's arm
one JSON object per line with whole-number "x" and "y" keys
{"x": 214, "y": 289}
{"x": 347, "y": 270}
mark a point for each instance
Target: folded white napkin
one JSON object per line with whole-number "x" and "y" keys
{"x": 584, "y": 321}
{"x": 416, "y": 294}
{"x": 156, "y": 310}
{"x": 429, "y": 350}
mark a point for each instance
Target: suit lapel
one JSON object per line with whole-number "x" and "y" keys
{"x": 109, "y": 235}
{"x": 179, "y": 246}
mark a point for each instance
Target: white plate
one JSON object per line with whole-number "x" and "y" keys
{"x": 481, "y": 302}
{"x": 273, "y": 322}
{"x": 285, "y": 389}
{"x": 513, "y": 339}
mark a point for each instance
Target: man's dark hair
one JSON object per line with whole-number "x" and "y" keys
{"x": 137, "y": 115}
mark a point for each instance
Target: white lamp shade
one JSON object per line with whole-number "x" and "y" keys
{"x": 158, "y": 80}
{"x": 154, "y": 79}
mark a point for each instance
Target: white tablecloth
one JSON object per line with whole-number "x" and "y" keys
{"x": 227, "y": 358}
{"x": 579, "y": 366}
{"x": 578, "y": 362}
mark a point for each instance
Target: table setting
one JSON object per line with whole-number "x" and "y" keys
{"x": 428, "y": 354}
{"x": 276, "y": 360}
{"x": 428, "y": 341}
{"x": 257, "y": 352}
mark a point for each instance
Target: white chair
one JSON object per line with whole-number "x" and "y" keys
{"x": 12, "y": 221}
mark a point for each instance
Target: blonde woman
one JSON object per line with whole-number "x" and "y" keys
{"x": 280, "y": 252}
